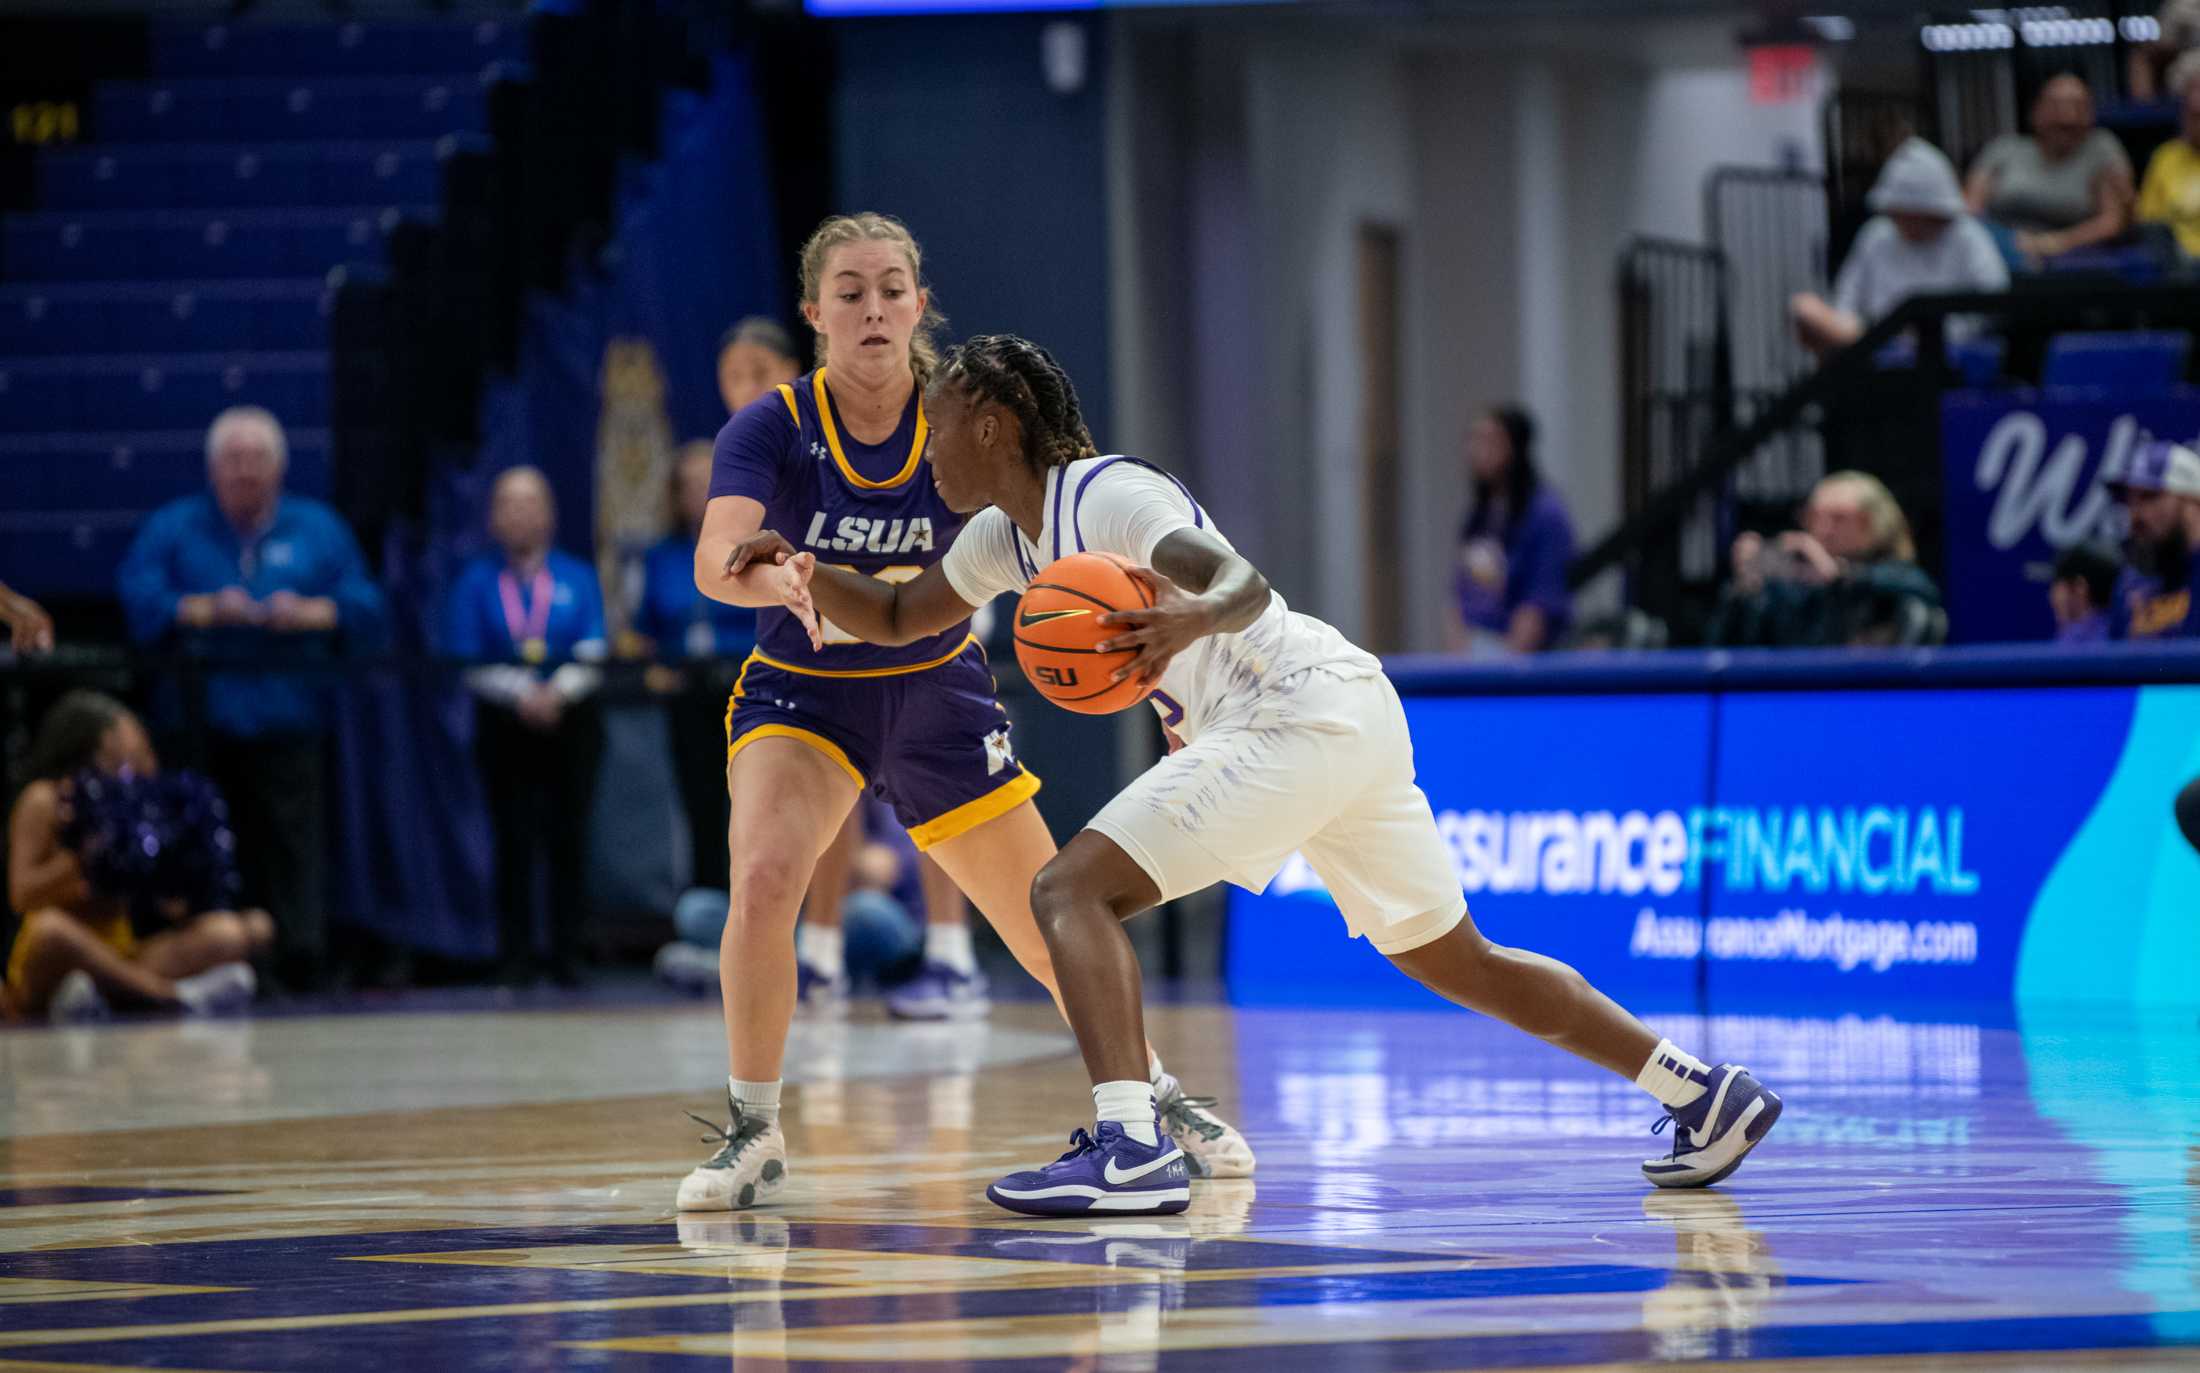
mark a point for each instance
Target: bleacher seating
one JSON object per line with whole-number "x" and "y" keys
{"x": 164, "y": 317}
{"x": 266, "y": 108}
{"x": 181, "y": 259}
{"x": 385, "y": 47}
{"x": 2127, "y": 361}
{"x": 246, "y": 175}
{"x": 138, "y": 245}
{"x": 158, "y": 391}
{"x": 1979, "y": 360}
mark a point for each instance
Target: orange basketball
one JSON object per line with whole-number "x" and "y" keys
{"x": 1058, "y": 622}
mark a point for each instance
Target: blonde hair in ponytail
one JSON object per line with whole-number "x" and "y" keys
{"x": 870, "y": 227}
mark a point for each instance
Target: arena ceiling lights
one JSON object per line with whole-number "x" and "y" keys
{"x": 2048, "y": 26}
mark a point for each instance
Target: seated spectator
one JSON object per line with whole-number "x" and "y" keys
{"x": 1918, "y": 242}
{"x": 2160, "y": 491}
{"x": 2151, "y": 67}
{"x": 879, "y": 931}
{"x": 1510, "y": 582}
{"x": 2170, "y": 195}
{"x": 124, "y": 878}
{"x": 531, "y": 616}
{"x": 2065, "y": 186}
{"x": 30, "y": 628}
{"x": 680, "y": 625}
{"x": 754, "y": 356}
{"x": 2081, "y": 591}
{"x": 247, "y": 570}
{"x": 1849, "y": 576}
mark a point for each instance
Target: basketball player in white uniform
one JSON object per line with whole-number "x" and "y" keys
{"x": 1291, "y": 739}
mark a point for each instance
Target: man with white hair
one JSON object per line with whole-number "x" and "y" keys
{"x": 245, "y": 570}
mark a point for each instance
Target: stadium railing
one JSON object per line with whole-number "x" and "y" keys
{"x": 1876, "y": 406}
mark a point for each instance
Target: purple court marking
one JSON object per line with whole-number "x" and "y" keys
{"x": 69, "y": 1196}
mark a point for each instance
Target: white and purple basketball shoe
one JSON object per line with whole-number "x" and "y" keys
{"x": 818, "y": 993}
{"x": 1104, "y": 1171}
{"x": 1713, "y": 1133}
{"x": 939, "y": 992}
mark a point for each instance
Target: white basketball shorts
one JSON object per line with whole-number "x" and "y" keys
{"x": 1321, "y": 765}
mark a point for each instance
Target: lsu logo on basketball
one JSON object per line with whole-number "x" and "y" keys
{"x": 857, "y": 534}
{"x": 1053, "y": 676}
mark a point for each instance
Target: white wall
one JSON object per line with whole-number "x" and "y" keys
{"x": 1464, "y": 298}
{"x": 1517, "y": 161}
{"x": 1329, "y": 143}
{"x": 1697, "y": 117}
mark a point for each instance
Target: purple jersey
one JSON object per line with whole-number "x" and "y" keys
{"x": 870, "y": 509}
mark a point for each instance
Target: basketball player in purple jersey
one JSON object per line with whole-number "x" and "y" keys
{"x": 1295, "y": 726}
{"x": 836, "y": 459}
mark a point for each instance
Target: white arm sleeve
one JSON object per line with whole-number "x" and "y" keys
{"x": 981, "y": 563}
{"x": 1129, "y": 509}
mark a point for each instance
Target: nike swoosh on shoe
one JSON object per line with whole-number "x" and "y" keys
{"x": 1118, "y": 1178}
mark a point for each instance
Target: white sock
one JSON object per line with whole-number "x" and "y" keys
{"x": 1154, "y": 1070}
{"x": 1673, "y": 1077}
{"x": 818, "y": 946}
{"x": 950, "y": 945}
{"x": 1128, "y": 1104}
{"x": 757, "y": 1099}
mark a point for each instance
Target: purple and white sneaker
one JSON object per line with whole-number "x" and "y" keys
{"x": 1716, "y": 1131}
{"x": 939, "y": 992}
{"x": 818, "y": 993}
{"x": 1104, "y": 1171}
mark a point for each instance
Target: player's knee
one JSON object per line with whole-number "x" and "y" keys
{"x": 1055, "y": 892}
{"x": 47, "y": 930}
{"x": 1066, "y": 887}
{"x": 1461, "y": 964}
{"x": 224, "y": 936}
{"x": 259, "y": 929}
{"x": 764, "y": 891}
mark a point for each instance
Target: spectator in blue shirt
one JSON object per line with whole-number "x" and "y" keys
{"x": 530, "y": 619}
{"x": 2160, "y": 488}
{"x": 698, "y": 644}
{"x": 1510, "y": 582}
{"x": 246, "y": 570}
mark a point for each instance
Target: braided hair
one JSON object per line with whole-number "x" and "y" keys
{"x": 1024, "y": 377}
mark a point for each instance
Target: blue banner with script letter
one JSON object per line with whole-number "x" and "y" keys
{"x": 2024, "y": 479}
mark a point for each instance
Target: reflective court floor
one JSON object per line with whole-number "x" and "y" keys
{"x": 492, "y": 1189}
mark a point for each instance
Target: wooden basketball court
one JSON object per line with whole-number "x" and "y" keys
{"x": 490, "y": 1187}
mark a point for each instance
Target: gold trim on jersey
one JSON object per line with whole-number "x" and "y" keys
{"x": 786, "y": 393}
{"x": 851, "y": 673}
{"x": 832, "y": 441}
{"x": 971, "y": 814}
{"x": 801, "y": 736}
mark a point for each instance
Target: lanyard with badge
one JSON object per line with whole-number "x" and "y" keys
{"x": 529, "y": 626}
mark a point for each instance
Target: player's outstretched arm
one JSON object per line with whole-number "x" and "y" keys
{"x": 729, "y": 521}
{"x": 877, "y": 612}
{"x": 1200, "y": 588}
